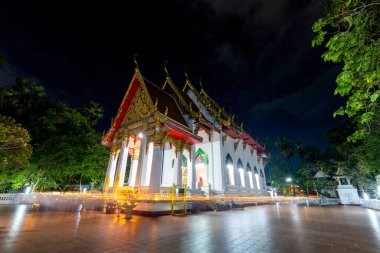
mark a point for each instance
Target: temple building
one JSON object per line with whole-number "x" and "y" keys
{"x": 163, "y": 135}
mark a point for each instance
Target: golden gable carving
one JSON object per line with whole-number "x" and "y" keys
{"x": 140, "y": 107}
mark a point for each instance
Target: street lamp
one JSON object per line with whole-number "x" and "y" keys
{"x": 290, "y": 180}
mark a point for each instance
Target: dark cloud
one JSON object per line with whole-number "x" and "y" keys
{"x": 255, "y": 57}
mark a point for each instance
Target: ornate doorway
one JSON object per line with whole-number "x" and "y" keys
{"x": 201, "y": 162}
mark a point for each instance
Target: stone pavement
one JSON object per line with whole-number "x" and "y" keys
{"x": 272, "y": 228}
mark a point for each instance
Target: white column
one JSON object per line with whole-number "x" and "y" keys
{"x": 193, "y": 172}
{"x": 110, "y": 176}
{"x": 140, "y": 164}
{"x": 148, "y": 167}
{"x": 133, "y": 172}
{"x": 177, "y": 172}
{"x": 156, "y": 172}
{"x": 121, "y": 165}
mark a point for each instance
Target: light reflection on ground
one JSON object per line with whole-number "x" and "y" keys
{"x": 271, "y": 228}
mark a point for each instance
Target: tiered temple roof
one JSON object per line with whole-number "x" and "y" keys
{"x": 175, "y": 104}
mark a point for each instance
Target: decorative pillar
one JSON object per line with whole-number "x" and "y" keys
{"x": 223, "y": 163}
{"x": 177, "y": 173}
{"x": 178, "y": 169}
{"x": 156, "y": 170}
{"x": 193, "y": 174}
{"x": 121, "y": 165}
{"x": 140, "y": 164}
{"x": 134, "y": 164}
{"x": 110, "y": 176}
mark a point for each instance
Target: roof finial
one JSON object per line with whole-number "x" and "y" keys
{"x": 186, "y": 75}
{"x": 135, "y": 60}
{"x": 155, "y": 104}
{"x": 200, "y": 82}
{"x": 166, "y": 70}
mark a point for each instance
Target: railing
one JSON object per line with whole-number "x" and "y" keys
{"x": 328, "y": 201}
{"x": 6, "y": 199}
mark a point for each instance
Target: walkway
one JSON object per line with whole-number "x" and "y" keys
{"x": 272, "y": 228}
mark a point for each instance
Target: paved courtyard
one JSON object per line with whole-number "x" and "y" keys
{"x": 272, "y": 228}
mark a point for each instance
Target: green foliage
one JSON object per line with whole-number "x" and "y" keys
{"x": 21, "y": 98}
{"x": 66, "y": 149}
{"x": 14, "y": 144}
{"x": 278, "y": 172}
{"x": 285, "y": 146}
{"x": 351, "y": 32}
{"x": 93, "y": 112}
{"x": 360, "y": 160}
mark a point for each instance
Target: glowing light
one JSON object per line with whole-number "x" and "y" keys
{"x": 241, "y": 171}
{"x": 84, "y": 190}
{"x": 199, "y": 165}
{"x": 250, "y": 179}
{"x": 257, "y": 181}
{"x": 365, "y": 196}
{"x": 288, "y": 179}
{"x": 155, "y": 198}
{"x": 149, "y": 163}
{"x": 140, "y": 135}
{"x": 28, "y": 190}
{"x": 231, "y": 174}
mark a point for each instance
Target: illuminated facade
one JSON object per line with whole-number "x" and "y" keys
{"x": 163, "y": 136}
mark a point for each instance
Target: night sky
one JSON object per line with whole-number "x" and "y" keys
{"x": 254, "y": 57}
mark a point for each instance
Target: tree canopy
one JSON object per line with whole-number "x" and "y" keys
{"x": 66, "y": 147}
{"x": 350, "y": 30}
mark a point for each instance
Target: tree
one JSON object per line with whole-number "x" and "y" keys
{"x": 350, "y": 30}
{"x": 15, "y": 149}
{"x": 20, "y": 98}
{"x": 286, "y": 148}
{"x": 278, "y": 171}
{"x": 93, "y": 112}
{"x": 360, "y": 160}
{"x": 67, "y": 150}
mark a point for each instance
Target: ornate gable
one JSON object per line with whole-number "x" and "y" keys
{"x": 141, "y": 106}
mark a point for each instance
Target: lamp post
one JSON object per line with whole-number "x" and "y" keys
{"x": 290, "y": 180}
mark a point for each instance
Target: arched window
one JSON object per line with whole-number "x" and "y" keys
{"x": 240, "y": 164}
{"x": 241, "y": 172}
{"x": 250, "y": 177}
{"x": 248, "y": 168}
{"x": 230, "y": 169}
{"x": 201, "y": 162}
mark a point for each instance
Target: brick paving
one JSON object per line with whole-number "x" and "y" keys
{"x": 272, "y": 228}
